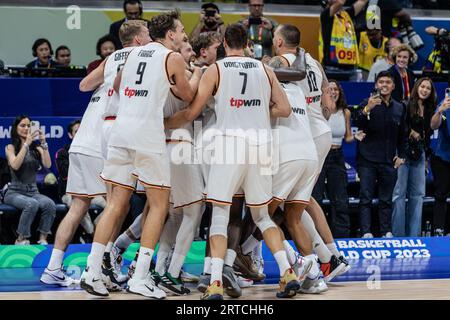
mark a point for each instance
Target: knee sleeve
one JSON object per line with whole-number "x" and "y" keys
{"x": 262, "y": 219}
{"x": 219, "y": 221}
{"x": 186, "y": 234}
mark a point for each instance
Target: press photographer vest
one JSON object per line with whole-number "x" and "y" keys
{"x": 368, "y": 54}
{"x": 343, "y": 43}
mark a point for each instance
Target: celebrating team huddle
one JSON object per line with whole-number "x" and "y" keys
{"x": 190, "y": 135}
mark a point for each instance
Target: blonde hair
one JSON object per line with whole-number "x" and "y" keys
{"x": 404, "y": 47}
{"x": 129, "y": 29}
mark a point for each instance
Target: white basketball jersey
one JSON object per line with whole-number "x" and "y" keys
{"x": 312, "y": 88}
{"x": 143, "y": 93}
{"x": 242, "y": 100}
{"x": 294, "y": 136}
{"x": 172, "y": 106}
{"x": 114, "y": 63}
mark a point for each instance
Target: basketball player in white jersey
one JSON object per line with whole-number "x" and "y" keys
{"x": 137, "y": 148}
{"x": 319, "y": 106}
{"x": 242, "y": 95}
{"x": 86, "y": 161}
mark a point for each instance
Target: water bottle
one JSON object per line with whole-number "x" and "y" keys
{"x": 427, "y": 229}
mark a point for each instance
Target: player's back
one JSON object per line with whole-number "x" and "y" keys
{"x": 143, "y": 92}
{"x": 242, "y": 99}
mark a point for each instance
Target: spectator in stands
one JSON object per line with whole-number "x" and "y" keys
{"x": 62, "y": 163}
{"x": 440, "y": 165}
{"x": 25, "y": 157}
{"x": 407, "y": 218}
{"x": 338, "y": 49}
{"x": 372, "y": 47}
{"x": 210, "y": 21}
{"x": 133, "y": 11}
{"x": 334, "y": 171}
{"x": 259, "y": 29}
{"x": 205, "y": 48}
{"x": 387, "y": 62}
{"x": 380, "y": 153}
{"x": 63, "y": 56}
{"x": 105, "y": 46}
{"x": 404, "y": 78}
{"x": 42, "y": 50}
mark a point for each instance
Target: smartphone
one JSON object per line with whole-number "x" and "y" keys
{"x": 447, "y": 92}
{"x": 210, "y": 13}
{"x": 256, "y": 21}
{"x": 376, "y": 92}
{"x": 35, "y": 126}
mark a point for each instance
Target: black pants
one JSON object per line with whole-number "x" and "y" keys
{"x": 335, "y": 174}
{"x": 386, "y": 175}
{"x": 441, "y": 179}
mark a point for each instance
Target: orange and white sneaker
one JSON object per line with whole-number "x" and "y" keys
{"x": 289, "y": 284}
{"x": 332, "y": 268}
{"x": 213, "y": 292}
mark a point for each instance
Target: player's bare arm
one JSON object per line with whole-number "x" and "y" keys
{"x": 176, "y": 69}
{"x": 284, "y": 72}
{"x": 280, "y": 106}
{"x": 93, "y": 80}
{"x": 328, "y": 104}
{"x": 208, "y": 83}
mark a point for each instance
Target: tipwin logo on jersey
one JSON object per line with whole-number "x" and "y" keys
{"x": 237, "y": 103}
{"x": 135, "y": 93}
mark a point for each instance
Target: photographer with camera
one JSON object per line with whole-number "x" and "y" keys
{"x": 407, "y": 217}
{"x": 210, "y": 21}
{"x": 381, "y": 152}
{"x": 439, "y": 58}
{"x": 259, "y": 29}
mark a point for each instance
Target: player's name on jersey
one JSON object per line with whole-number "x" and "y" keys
{"x": 146, "y": 53}
{"x": 240, "y": 65}
{"x": 119, "y": 56}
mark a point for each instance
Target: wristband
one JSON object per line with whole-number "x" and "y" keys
{"x": 366, "y": 110}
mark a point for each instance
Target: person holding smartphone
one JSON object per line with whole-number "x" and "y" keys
{"x": 260, "y": 29}
{"x": 381, "y": 153}
{"x": 210, "y": 21}
{"x": 440, "y": 164}
{"x": 25, "y": 157}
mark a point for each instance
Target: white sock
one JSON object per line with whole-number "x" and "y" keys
{"x": 282, "y": 261}
{"x": 216, "y": 270}
{"x": 56, "y": 259}
{"x": 95, "y": 258}
{"x": 332, "y": 247}
{"x": 315, "y": 268}
{"x": 207, "y": 265}
{"x": 292, "y": 257}
{"x": 143, "y": 263}
{"x": 230, "y": 257}
{"x": 176, "y": 264}
{"x": 161, "y": 261}
{"x": 318, "y": 245}
{"x": 123, "y": 241}
{"x": 249, "y": 244}
{"x": 109, "y": 247}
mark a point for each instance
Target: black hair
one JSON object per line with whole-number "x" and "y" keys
{"x": 236, "y": 36}
{"x": 133, "y": 2}
{"x": 38, "y": 43}
{"x": 210, "y": 5}
{"x": 104, "y": 39}
{"x": 290, "y": 34}
{"x": 72, "y": 124}
{"x": 59, "y": 49}
{"x": 385, "y": 73}
{"x": 15, "y": 138}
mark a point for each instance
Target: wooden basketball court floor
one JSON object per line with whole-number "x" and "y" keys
{"x": 435, "y": 289}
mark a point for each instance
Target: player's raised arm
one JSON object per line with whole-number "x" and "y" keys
{"x": 93, "y": 80}
{"x": 280, "y": 106}
{"x": 206, "y": 88}
{"x": 176, "y": 68}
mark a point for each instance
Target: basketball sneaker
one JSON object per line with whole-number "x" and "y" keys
{"x": 93, "y": 283}
{"x": 347, "y": 265}
{"x": 244, "y": 283}
{"x": 188, "y": 277}
{"x": 213, "y": 292}
{"x": 145, "y": 287}
{"x": 173, "y": 285}
{"x": 57, "y": 277}
{"x": 302, "y": 267}
{"x": 331, "y": 269}
{"x": 109, "y": 276}
{"x": 116, "y": 262}
{"x": 230, "y": 282}
{"x": 203, "y": 282}
{"x": 243, "y": 265}
{"x": 289, "y": 285}
{"x": 313, "y": 284}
